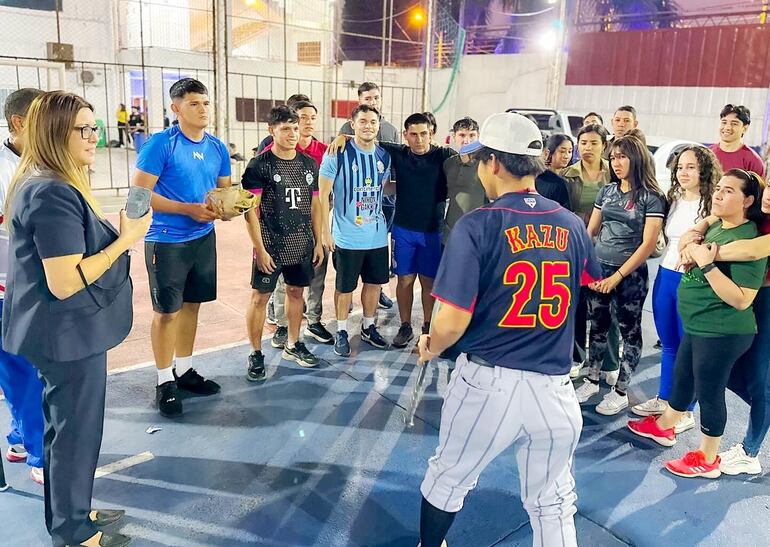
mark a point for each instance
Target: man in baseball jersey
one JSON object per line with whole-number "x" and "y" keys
{"x": 505, "y": 288}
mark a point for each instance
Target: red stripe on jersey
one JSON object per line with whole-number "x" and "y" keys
{"x": 519, "y": 212}
{"x": 256, "y": 192}
{"x": 455, "y": 306}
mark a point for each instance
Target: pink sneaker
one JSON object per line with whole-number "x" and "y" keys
{"x": 694, "y": 464}
{"x": 648, "y": 427}
{"x": 16, "y": 453}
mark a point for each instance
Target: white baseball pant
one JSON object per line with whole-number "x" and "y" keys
{"x": 488, "y": 409}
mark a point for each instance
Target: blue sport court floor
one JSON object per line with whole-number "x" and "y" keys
{"x": 322, "y": 457}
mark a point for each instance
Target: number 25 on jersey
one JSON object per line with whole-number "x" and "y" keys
{"x": 554, "y": 298}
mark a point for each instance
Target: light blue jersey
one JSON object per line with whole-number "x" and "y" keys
{"x": 186, "y": 171}
{"x": 358, "y": 176}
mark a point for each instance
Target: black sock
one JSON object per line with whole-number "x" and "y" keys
{"x": 595, "y": 382}
{"x": 434, "y": 524}
{"x": 621, "y": 393}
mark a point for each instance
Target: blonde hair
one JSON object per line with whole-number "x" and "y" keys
{"x": 49, "y": 124}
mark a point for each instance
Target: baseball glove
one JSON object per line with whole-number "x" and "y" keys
{"x": 230, "y": 202}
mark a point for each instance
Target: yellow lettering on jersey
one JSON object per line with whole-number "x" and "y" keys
{"x": 533, "y": 241}
{"x": 514, "y": 240}
{"x": 562, "y": 237}
{"x": 547, "y": 230}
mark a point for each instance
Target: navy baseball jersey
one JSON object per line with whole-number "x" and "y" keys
{"x": 516, "y": 264}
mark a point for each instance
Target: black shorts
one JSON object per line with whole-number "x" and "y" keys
{"x": 297, "y": 275}
{"x": 181, "y": 272}
{"x": 372, "y": 265}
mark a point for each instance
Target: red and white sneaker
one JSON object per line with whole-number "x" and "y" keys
{"x": 36, "y": 474}
{"x": 16, "y": 453}
{"x": 648, "y": 427}
{"x": 694, "y": 464}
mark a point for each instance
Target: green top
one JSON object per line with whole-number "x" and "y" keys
{"x": 703, "y": 313}
{"x": 582, "y": 193}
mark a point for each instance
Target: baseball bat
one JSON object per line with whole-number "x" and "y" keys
{"x": 415, "y": 400}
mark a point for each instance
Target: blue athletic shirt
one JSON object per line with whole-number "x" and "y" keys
{"x": 186, "y": 171}
{"x": 359, "y": 223}
{"x": 516, "y": 265}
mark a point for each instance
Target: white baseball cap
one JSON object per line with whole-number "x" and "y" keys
{"x": 508, "y": 132}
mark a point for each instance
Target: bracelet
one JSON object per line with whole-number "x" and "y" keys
{"x": 707, "y": 268}
{"x": 109, "y": 258}
{"x": 621, "y": 273}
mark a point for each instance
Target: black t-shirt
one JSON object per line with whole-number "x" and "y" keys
{"x": 287, "y": 188}
{"x": 421, "y": 186}
{"x": 550, "y": 185}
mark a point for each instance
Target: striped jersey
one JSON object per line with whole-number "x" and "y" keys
{"x": 359, "y": 177}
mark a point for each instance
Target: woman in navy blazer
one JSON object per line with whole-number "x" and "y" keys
{"x": 68, "y": 301}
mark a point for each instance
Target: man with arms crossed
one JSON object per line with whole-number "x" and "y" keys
{"x": 180, "y": 165}
{"x": 358, "y": 174}
{"x": 505, "y": 290}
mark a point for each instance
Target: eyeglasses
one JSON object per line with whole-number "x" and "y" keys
{"x": 87, "y": 131}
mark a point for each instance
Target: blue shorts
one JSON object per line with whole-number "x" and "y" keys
{"x": 415, "y": 252}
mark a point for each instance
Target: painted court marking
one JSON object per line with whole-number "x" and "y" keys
{"x": 123, "y": 464}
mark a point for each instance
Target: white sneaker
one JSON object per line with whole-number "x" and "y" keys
{"x": 36, "y": 474}
{"x": 586, "y": 391}
{"x": 735, "y": 461}
{"x": 611, "y": 377}
{"x": 687, "y": 421}
{"x": 612, "y": 403}
{"x": 653, "y": 407}
{"x": 574, "y": 372}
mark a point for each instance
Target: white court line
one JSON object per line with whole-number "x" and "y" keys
{"x": 125, "y": 463}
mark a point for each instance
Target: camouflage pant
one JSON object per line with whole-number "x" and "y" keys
{"x": 629, "y": 298}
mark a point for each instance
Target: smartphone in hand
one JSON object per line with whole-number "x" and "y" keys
{"x": 138, "y": 202}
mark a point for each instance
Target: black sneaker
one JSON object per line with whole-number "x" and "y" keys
{"x": 280, "y": 337}
{"x": 319, "y": 332}
{"x": 341, "y": 344}
{"x": 371, "y": 336}
{"x": 384, "y": 303}
{"x": 167, "y": 400}
{"x": 300, "y": 355}
{"x": 194, "y": 383}
{"x": 403, "y": 336}
{"x": 256, "y": 370}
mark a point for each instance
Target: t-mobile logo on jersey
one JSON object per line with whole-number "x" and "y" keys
{"x": 292, "y": 197}
{"x": 198, "y": 156}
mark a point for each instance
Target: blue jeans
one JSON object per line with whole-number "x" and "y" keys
{"x": 23, "y": 392}
{"x": 750, "y": 377}
{"x": 669, "y": 326}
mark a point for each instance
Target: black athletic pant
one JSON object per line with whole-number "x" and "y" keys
{"x": 73, "y": 406}
{"x": 701, "y": 371}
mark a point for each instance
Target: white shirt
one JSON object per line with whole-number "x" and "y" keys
{"x": 682, "y": 216}
{"x": 9, "y": 161}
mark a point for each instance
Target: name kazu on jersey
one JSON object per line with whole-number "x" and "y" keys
{"x": 541, "y": 237}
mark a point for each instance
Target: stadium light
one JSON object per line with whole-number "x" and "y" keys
{"x": 417, "y": 17}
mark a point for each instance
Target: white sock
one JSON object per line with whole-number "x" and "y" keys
{"x": 368, "y": 322}
{"x": 290, "y": 344}
{"x": 342, "y": 325}
{"x": 165, "y": 375}
{"x": 182, "y": 365}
